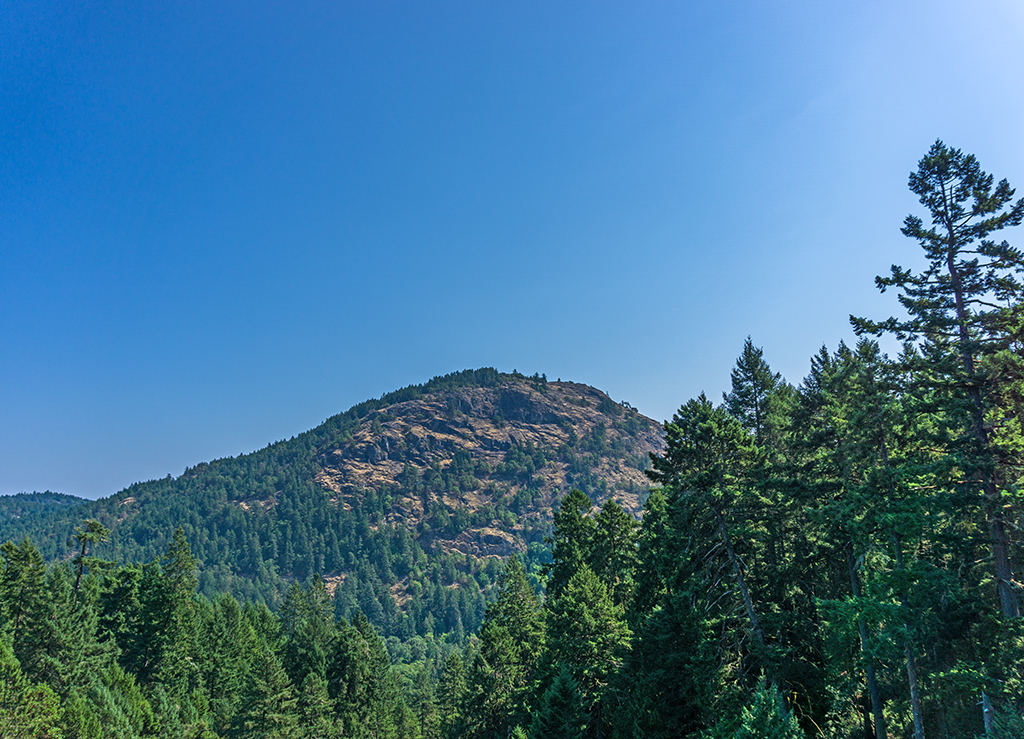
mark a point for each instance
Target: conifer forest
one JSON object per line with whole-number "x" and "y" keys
{"x": 836, "y": 558}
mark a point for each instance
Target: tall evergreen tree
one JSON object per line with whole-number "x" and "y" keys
{"x": 229, "y": 645}
{"x": 269, "y": 703}
{"x": 572, "y": 541}
{"x": 22, "y": 601}
{"x": 707, "y": 450}
{"x": 93, "y": 533}
{"x": 511, "y": 642}
{"x": 561, "y": 713}
{"x": 757, "y": 394}
{"x": 308, "y": 630}
{"x": 451, "y": 696}
{"x": 27, "y": 710}
{"x": 767, "y": 718}
{"x": 588, "y": 635}
{"x": 963, "y": 308}
{"x": 362, "y": 684}
{"x": 614, "y": 553}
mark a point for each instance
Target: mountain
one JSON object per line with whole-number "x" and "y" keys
{"x": 27, "y": 505}
{"x": 406, "y": 505}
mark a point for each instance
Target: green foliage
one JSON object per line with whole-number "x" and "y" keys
{"x": 1008, "y": 723}
{"x": 964, "y": 317}
{"x": 588, "y": 636}
{"x": 261, "y": 521}
{"x": 26, "y": 710}
{"x": 561, "y": 714}
{"x": 511, "y": 643}
{"x": 671, "y": 672}
{"x": 758, "y": 395}
{"x": 27, "y": 505}
{"x": 767, "y": 718}
{"x": 268, "y": 706}
{"x": 572, "y": 541}
{"x": 451, "y": 696}
{"x": 93, "y": 533}
{"x": 613, "y": 555}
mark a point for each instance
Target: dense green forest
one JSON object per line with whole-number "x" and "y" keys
{"x": 839, "y": 558}
{"x": 30, "y": 505}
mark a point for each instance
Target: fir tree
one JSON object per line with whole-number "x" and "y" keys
{"x": 963, "y": 308}
{"x": 703, "y": 466}
{"x": 588, "y": 635}
{"x": 27, "y": 710}
{"x": 572, "y": 541}
{"x": 614, "y": 553}
{"x": 93, "y": 533}
{"x": 451, "y": 696}
{"x": 315, "y": 709}
{"x": 757, "y": 394}
{"x": 561, "y": 714}
{"x": 511, "y": 641}
{"x": 269, "y": 705}
{"x": 767, "y": 718}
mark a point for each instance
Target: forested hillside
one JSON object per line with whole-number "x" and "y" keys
{"x": 840, "y": 558}
{"x": 405, "y": 505}
{"x": 26, "y": 505}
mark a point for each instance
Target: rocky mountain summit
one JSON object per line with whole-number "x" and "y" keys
{"x": 522, "y": 441}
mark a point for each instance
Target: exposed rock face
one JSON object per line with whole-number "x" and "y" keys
{"x": 581, "y": 437}
{"x": 485, "y": 542}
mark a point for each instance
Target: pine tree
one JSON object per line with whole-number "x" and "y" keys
{"x": 767, "y": 718}
{"x": 27, "y": 710}
{"x": 23, "y": 603}
{"x": 561, "y": 714}
{"x": 177, "y": 672}
{"x": 93, "y": 533}
{"x": 451, "y": 696}
{"x": 757, "y": 394}
{"x": 614, "y": 553}
{"x": 511, "y": 641}
{"x": 703, "y": 466}
{"x": 963, "y": 308}
{"x": 228, "y": 647}
{"x": 315, "y": 709}
{"x": 423, "y": 701}
{"x": 588, "y": 635}
{"x": 363, "y": 685}
{"x": 308, "y": 630}
{"x": 671, "y": 672}
{"x": 268, "y": 706}
{"x": 571, "y": 542}
{"x": 828, "y": 446}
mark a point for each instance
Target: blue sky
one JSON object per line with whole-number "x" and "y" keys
{"x": 222, "y": 223}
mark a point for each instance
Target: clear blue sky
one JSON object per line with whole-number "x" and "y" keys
{"x": 221, "y": 223}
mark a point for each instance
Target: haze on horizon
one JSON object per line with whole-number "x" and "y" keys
{"x": 220, "y": 225}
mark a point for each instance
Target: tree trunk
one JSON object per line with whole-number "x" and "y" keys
{"x": 1008, "y": 600}
{"x": 915, "y": 693}
{"x": 987, "y": 714}
{"x": 869, "y": 659}
{"x": 737, "y": 569}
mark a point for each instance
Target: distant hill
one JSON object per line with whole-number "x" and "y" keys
{"x": 406, "y": 505}
{"x": 27, "y": 505}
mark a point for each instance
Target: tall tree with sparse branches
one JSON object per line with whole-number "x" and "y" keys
{"x": 962, "y": 310}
